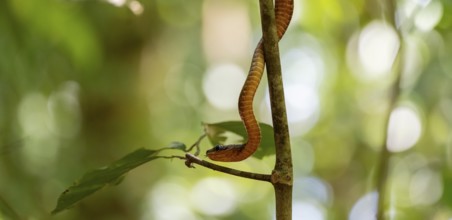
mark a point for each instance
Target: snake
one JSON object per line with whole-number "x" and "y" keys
{"x": 239, "y": 152}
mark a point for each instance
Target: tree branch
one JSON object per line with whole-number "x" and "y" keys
{"x": 190, "y": 159}
{"x": 282, "y": 175}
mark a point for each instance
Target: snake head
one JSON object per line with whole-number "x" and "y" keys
{"x": 217, "y": 148}
{"x": 225, "y": 153}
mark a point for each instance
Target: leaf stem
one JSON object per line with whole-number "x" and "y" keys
{"x": 196, "y": 144}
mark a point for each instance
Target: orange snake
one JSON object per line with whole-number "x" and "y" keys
{"x": 239, "y": 152}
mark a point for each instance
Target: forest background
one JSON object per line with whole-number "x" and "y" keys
{"x": 83, "y": 83}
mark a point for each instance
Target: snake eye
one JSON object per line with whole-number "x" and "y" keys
{"x": 218, "y": 148}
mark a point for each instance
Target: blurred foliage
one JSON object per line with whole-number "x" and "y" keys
{"x": 83, "y": 83}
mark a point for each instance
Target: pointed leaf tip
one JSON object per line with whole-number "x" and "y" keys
{"x": 178, "y": 145}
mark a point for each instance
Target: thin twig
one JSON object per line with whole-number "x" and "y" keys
{"x": 196, "y": 144}
{"x": 190, "y": 159}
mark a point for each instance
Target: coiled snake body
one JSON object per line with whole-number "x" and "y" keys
{"x": 238, "y": 152}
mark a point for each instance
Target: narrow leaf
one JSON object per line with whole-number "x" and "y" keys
{"x": 97, "y": 179}
{"x": 177, "y": 145}
{"x": 216, "y": 132}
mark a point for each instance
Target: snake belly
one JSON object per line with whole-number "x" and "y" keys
{"x": 239, "y": 152}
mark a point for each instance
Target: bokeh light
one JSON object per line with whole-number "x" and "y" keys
{"x": 117, "y": 3}
{"x": 313, "y": 189}
{"x": 214, "y": 196}
{"x": 377, "y": 48}
{"x": 371, "y": 53}
{"x": 416, "y": 55}
{"x": 34, "y": 117}
{"x": 222, "y": 85}
{"x": 415, "y": 183}
{"x": 41, "y": 146}
{"x": 404, "y": 129}
{"x": 307, "y": 210}
{"x": 166, "y": 201}
{"x": 429, "y": 16}
{"x": 226, "y": 31}
{"x": 425, "y": 187}
{"x": 365, "y": 207}
{"x": 136, "y": 7}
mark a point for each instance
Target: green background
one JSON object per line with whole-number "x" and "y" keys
{"x": 84, "y": 82}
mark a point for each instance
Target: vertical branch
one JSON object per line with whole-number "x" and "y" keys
{"x": 385, "y": 155}
{"x": 282, "y": 174}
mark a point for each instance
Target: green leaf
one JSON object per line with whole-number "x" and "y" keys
{"x": 177, "y": 145}
{"x": 216, "y": 133}
{"x": 97, "y": 179}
